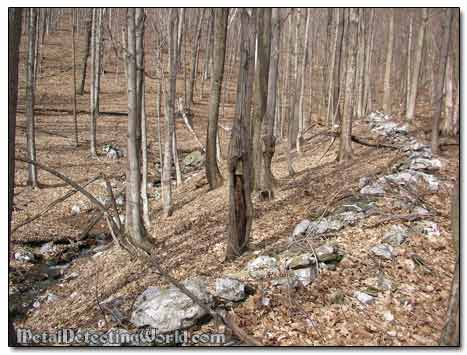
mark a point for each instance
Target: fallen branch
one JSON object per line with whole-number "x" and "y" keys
{"x": 403, "y": 218}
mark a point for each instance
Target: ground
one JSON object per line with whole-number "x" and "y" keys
{"x": 192, "y": 241}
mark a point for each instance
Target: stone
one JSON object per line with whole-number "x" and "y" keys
{"x": 47, "y": 248}
{"x": 383, "y": 250}
{"x": 396, "y": 235}
{"x": 337, "y": 297}
{"x": 120, "y": 200}
{"x": 195, "y": 158}
{"x": 374, "y": 189}
{"x": 364, "y": 298}
{"x": 168, "y": 309}
{"x": 75, "y": 210}
{"x": 230, "y": 289}
{"x": 262, "y": 266}
{"x": 363, "y": 181}
{"x": 403, "y": 178}
{"x": 431, "y": 181}
{"x": 388, "y": 316}
{"x": 24, "y": 255}
{"x": 300, "y": 261}
{"x": 327, "y": 252}
{"x": 428, "y": 228}
{"x": 306, "y": 275}
{"x": 289, "y": 281}
{"x": 300, "y": 229}
{"x": 51, "y": 297}
{"x": 350, "y": 218}
{"x": 425, "y": 164}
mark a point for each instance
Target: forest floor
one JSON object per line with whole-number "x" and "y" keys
{"x": 192, "y": 241}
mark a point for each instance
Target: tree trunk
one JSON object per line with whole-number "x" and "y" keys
{"x": 194, "y": 56}
{"x": 302, "y": 84}
{"x": 220, "y": 32}
{"x": 416, "y": 67}
{"x": 30, "y": 98}
{"x": 240, "y": 205}
{"x": 261, "y": 90}
{"x": 134, "y": 225}
{"x": 73, "y": 30}
{"x": 14, "y": 42}
{"x": 387, "y": 100}
{"x": 446, "y": 42}
{"x": 144, "y": 161}
{"x": 345, "y": 151}
{"x": 268, "y": 139}
{"x": 450, "y": 333}
{"x": 447, "y": 126}
{"x": 94, "y": 70}
{"x": 409, "y": 65}
{"x": 84, "y": 64}
{"x": 169, "y": 116}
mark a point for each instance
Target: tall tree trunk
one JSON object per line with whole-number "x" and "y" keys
{"x": 447, "y": 126}
{"x": 169, "y": 115}
{"x": 134, "y": 225}
{"x": 409, "y": 65}
{"x": 446, "y": 42}
{"x": 416, "y": 67}
{"x": 30, "y": 97}
{"x": 144, "y": 161}
{"x": 73, "y": 30}
{"x": 268, "y": 139}
{"x": 14, "y": 42}
{"x": 93, "y": 94}
{"x": 84, "y": 64}
{"x": 302, "y": 84}
{"x": 387, "y": 100}
{"x": 451, "y": 330}
{"x": 240, "y": 205}
{"x": 220, "y": 32}
{"x": 194, "y": 56}
{"x": 261, "y": 90}
{"x": 345, "y": 151}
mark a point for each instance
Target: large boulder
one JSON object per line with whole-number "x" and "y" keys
{"x": 168, "y": 309}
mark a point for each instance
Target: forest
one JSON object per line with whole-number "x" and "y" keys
{"x": 233, "y": 177}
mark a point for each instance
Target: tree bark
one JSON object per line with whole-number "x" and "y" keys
{"x": 268, "y": 139}
{"x": 446, "y": 42}
{"x": 30, "y": 98}
{"x": 93, "y": 94}
{"x": 387, "y": 74}
{"x": 345, "y": 151}
{"x": 84, "y": 64}
{"x": 240, "y": 205}
{"x": 14, "y": 42}
{"x": 194, "y": 56}
{"x": 169, "y": 115}
{"x": 261, "y": 90}
{"x": 220, "y": 32}
{"x": 75, "y": 118}
{"x": 416, "y": 67}
{"x": 301, "y": 80}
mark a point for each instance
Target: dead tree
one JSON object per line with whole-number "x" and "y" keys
{"x": 14, "y": 42}
{"x": 345, "y": 150}
{"x": 439, "y": 85}
{"x": 220, "y": 32}
{"x": 30, "y": 98}
{"x": 240, "y": 205}
{"x": 268, "y": 138}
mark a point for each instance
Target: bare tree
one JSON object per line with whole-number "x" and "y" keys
{"x": 301, "y": 81}
{"x": 73, "y": 30}
{"x": 263, "y": 23}
{"x": 387, "y": 74}
{"x": 14, "y": 42}
{"x": 134, "y": 225}
{"x": 84, "y": 64}
{"x": 195, "y": 55}
{"x": 240, "y": 205}
{"x": 220, "y": 32}
{"x": 169, "y": 116}
{"x": 345, "y": 151}
{"x": 416, "y": 68}
{"x": 268, "y": 122}
{"x": 30, "y": 98}
{"x": 446, "y": 42}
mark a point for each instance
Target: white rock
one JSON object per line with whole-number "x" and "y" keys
{"x": 364, "y": 298}
{"x": 388, "y": 316}
{"x": 230, "y": 289}
{"x": 301, "y": 228}
{"x": 306, "y": 275}
{"x": 262, "y": 266}
{"x": 383, "y": 250}
{"x": 24, "y": 255}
